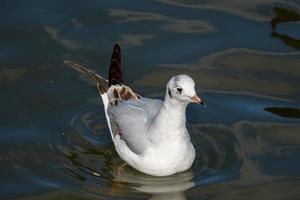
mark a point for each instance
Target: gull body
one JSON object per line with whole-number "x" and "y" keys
{"x": 149, "y": 134}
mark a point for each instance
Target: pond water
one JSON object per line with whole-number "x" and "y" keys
{"x": 244, "y": 57}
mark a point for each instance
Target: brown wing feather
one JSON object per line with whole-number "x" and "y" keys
{"x": 101, "y": 82}
{"x": 115, "y": 74}
{"x": 121, "y": 93}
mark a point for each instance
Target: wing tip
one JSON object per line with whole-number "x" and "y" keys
{"x": 117, "y": 46}
{"x": 69, "y": 63}
{"x": 115, "y": 75}
{"x": 102, "y": 84}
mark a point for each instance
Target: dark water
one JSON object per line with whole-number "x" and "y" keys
{"x": 243, "y": 55}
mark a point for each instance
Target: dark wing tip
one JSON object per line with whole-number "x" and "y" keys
{"x": 117, "y": 47}
{"x": 115, "y": 75}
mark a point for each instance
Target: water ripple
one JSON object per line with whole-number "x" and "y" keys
{"x": 90, "y": 158}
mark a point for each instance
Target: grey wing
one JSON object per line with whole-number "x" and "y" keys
{"x": 130, "y": 119}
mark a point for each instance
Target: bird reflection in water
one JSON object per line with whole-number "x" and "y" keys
{"x": 163, "y": 188}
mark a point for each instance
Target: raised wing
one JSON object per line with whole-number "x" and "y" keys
{"x": 101, "y": 82}
{"x": 115, "y": 73}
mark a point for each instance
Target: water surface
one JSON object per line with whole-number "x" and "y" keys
{"x": 244, "y": 57}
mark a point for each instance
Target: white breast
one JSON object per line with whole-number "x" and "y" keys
{"x": 168, "y": 158}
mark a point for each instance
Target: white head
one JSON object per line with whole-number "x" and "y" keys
{"x": 182, "y": 89}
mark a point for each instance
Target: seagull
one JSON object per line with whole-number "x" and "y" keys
{"x": 148, "y": 134}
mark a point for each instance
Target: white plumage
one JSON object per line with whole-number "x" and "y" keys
{"x": 149, "y": 134}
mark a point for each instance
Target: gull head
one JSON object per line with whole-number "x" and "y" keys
{"x": 182, "y": 89}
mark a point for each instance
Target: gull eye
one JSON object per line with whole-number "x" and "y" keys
{"x": 179, "y": 89}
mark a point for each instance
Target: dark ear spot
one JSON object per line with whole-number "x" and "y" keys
{"x": 179, "y": 90}
{"x": 169, "y": 92}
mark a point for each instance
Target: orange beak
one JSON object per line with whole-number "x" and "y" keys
{"x": 197, "y": 100}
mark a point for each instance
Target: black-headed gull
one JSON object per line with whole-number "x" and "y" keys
{"x": 149, "y": 134}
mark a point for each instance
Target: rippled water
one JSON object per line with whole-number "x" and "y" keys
{"x": 244, "y": 57}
